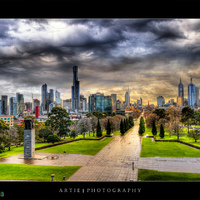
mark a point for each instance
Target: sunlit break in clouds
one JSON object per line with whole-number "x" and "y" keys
{"x": 147, "y": 55}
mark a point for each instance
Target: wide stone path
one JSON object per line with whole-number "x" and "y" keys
{"x": 170, "y": 164}
{"x": 113, "y": 162}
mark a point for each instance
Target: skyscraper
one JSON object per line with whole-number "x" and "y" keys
{"x": 44, "y": 96}
{"x": 20, "y": 103}
{"x": 12, "y": 106}
{"x": 4, "y": 105}
{"x": 160, "y": 101}
{"x": 47, "y": 97}
{"x": 114, "y": 101}
{"x": 180, "y": 90}
{"x": 127, "y": 98}
{"x": 75, "y": 90}
{"x": 58, "y": 99}
{"x": 191, "y": 94}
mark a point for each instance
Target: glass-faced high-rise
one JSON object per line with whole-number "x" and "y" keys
{"x": 191, "y": 94}
{"x": 180, "y": 89}
{"x": 75, "y": 90}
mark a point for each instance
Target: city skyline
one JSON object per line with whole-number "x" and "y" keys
{"x": 147, "y": 55}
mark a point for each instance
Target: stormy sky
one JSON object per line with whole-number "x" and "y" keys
{"x": 147, "y": 55}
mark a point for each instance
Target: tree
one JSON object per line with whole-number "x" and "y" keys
{"x": 113, "y": 114}
{"x": 83, "y": 126}
{"x": 105, "y": 114}
{"x": 59, "y": 121}
{"x": 162, "y": 132}
{"x": 20, "y": 132}
{"x": 131, "y": 122}
{"x": 53, "y": 139}
{"x": 141, "y": 126}
{"x": 161, "y": 113}
{"x": 150, "y": 118}
{"x": 45, "y": 132}
{"x": 122, "y": 131}
{"x": 124, "y": 125}
{"x": 99, "y": 132}
{"x": 108, "y": 128}
{"x": 93, "y": 121}
{"x": 187, "y": 115}
{"x": 3, "y": 132}
{"x": 194, "y": 134}
{"x": 73, "y": 134}
{"x": 12, "y": 136}
{"x": 154, "y": 130}
{"x": 88, "y": 115}
{"x": 177, "y": 129}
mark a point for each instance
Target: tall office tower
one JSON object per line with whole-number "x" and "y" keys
{"x": 107, "y": 104}
{"x": 47, "y": 97}
{"x": 35, "y": 102}
{"x": 95, "y": 102}
{"x": 191, "y": 94}
{"x": 12, "y": 106}
{"x": 179, "y": 101}
{"x": 118, "y": 105}
{"x": 83, "y": 103}
{"x": 101, "y": 103}
{"x": 75, "y": 90}
{"x": 160, "y": 101}
{"x": 28, "y": 106}
{"x": 180, "y": 89}
{"x": 67, "y": 104}
{"x": 58, "y": 99}
{"x": 197, "y": 95}
{"x": 4, "y": 105}
{"x": 114, "y": 101}
{"x": 20, "y": 103}
{"x": 44, "y": 96}
{"x": 127, "y": 98}
{"x": 141, "y": 101}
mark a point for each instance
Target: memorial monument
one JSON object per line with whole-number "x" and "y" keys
{"x": 29, "y": 139}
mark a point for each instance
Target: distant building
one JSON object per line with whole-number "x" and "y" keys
{"x": 58, "y": 99}
{"x": 191, "y": 94}
{"x": 114, "y": 101}
{"x": 28, "y": 106}
{"x": 179, "y": 101}
{"x": 197, "y": 95}
{"x": 180, "y": 89}
{"x": 4, "y": 105}
{"x": 35, "y": 102}
{"x": 83, "y": 103}
{"x": 99, "y": 102}
{"x": 36, "y": 111}
{"x": 47, "y": 97}
{"x": 160, "y": 101}
{"x": 20, "y": 103}
{"x": 127, "y": 98}
{"x": 12, "y": 106}
{"x": 118, "y": 105}
{"x": 8, "y": 119}
{"x": 67, "y": 104}
{"x": 51, "y": 105}
{"x": 75, "y": 90}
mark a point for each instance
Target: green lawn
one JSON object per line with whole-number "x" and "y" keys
{"x": 17, "y": 150}
{"x": 153, "y": 175}
{"x": 167, "y": 149}
{"x": 85, "y": 147}
{"x": 35, "y": 172}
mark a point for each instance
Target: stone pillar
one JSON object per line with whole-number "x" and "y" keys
{"x": 29, "y": 139}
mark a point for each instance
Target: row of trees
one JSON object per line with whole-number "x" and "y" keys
{"x": 126, "y": 124}
{"x": 173, "y": 120}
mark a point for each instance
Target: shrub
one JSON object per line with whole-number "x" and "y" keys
{"x": 53, "y": 139}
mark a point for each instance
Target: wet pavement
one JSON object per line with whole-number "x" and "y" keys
{"x": 63, "y": 159}
{"x": 113, "y": 162}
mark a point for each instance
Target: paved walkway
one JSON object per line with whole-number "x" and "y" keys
{"x": 113, "y": 162}
{"x": 170, "y": 164}
{"x": 64, "y": 160}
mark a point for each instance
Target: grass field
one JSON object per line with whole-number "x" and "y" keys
{"x": 85, "y": 147}
{"x": 167, "y": 149}
{"x": 17, "y": 150}
{"x": 153, "y": 175}
{"x": 35, "y": 172}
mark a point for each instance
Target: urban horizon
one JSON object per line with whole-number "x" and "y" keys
{"x": 148, "y": 56}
